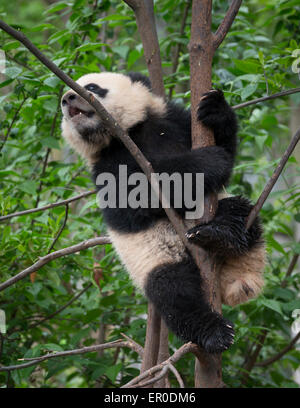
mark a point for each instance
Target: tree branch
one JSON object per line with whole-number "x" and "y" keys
{"x": 285, "y": 350}
{"x": 208, "y": 370}
{"x": 160, "y": 376}
{"x": 290, "y": 270}
{"x": 89, "y": 243}
{"x": 266, "y": 98}
{"x": 46, "y": 207}
{"x": 144, "y": 13}
{"x": 186, "y": 348}
{"x": 224, "y": 27}
{"x": 268, "y": 188}
{"x": 83, "y": 350}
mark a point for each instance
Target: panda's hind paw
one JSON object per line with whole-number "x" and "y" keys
{"x": 217, "y": 334}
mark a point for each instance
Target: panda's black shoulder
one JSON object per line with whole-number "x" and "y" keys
{"x": 138, "y": 77}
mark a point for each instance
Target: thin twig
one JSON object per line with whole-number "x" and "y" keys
{"x": 266, "y": 98}
{"x": 278, "y": 356}
{"x": 83, "y": 350}
{"x": 45, "y": 163}
{"x": 46, "y": 207}
{"x": 290, "y": 270}
{"x": 177, "y": 375}
{"x": 60, "y": 230}
{"x": 12, "y": 123}
{"x": 153, "y": 380}
{"x": 269, "y": 186}
{"x": 135, "y": 346}
{"x": 250, "y": 359}
{"x": 38, "y": 323}
{"x": 186, "y": 348}
{"x": 89, "y": 243}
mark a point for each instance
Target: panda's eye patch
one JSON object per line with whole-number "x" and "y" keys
{"x": 96, "y": 89}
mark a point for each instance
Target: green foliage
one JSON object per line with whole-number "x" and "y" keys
{"x": 37, "y": 168}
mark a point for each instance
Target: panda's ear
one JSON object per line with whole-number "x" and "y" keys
{"x": 137, "y": 77}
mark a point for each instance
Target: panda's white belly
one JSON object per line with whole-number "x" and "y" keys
{"x": 141, "y": 252}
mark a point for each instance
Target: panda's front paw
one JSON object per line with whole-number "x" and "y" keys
{"x": 217, "y": 334}
{"x": 213, "y": 108}
{"x": 224, "y": 240}
{"x": 205, "y": 235}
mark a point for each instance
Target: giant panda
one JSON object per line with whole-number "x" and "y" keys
{"x": 144, "y": 239}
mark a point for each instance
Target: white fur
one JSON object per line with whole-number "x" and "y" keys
{"x": 128, "y": 102}
{"x": 241, "y": 278}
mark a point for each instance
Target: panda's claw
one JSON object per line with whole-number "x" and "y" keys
{"x": 216, "y": 335}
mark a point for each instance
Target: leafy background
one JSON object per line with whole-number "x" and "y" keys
{"x": 37, "y": 168}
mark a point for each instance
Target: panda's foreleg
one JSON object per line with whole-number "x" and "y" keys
{"x": 175, "y": 290}
{"x": 226, "y": 235}
{"x": 215, "y": 113}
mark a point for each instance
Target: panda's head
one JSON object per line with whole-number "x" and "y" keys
{"x": 128, "y": 98}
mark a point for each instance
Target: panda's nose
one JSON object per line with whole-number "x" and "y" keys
{"x": 67, "y": 98}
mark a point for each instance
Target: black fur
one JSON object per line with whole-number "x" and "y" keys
{"x": 96, "y": 89}
{"x": 166, "y": 143}
{"x": 137, "y": 77}
{"x": 176, "y": 292}
{"x": 165, "y": 140}
{"x": 226, "y": 234}
{"x": 215, "y": 113}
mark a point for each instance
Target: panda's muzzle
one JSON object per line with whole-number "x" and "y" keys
{"x": 72, "y": 103}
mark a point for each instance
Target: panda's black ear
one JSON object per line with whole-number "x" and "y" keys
{"x": 137, "y": 77}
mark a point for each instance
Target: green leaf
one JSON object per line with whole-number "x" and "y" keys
{"x": 52, "y": 347}
{"x": 12, "y": 45}
{"x": 248, "y": 90}
{"x": 272, "y": 304}
{"x": 52, "y": 81}
{"x": 276, "y": 245}
{"x": 247, "y": 66}
{"x": 113, "y": 371}
{"x": 122, "y": 50}
{"x": 13, "y": 72}
{"x": 57, "y": 7}
{"x": 28, "y": 187}
{"x": 113, "y": 17}
{"x": 50, "y": 142}
{"x": 90, "y": 47}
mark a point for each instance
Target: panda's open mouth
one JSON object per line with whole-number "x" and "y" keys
{"x": 74, "y": 111}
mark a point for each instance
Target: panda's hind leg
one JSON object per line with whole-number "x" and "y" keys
{"x": 175, "y": 290}
{"x": 241, "y": 278}
{"x": 226, "y": 235}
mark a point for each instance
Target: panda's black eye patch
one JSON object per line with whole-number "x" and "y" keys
{"x": 96, "y": 89}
